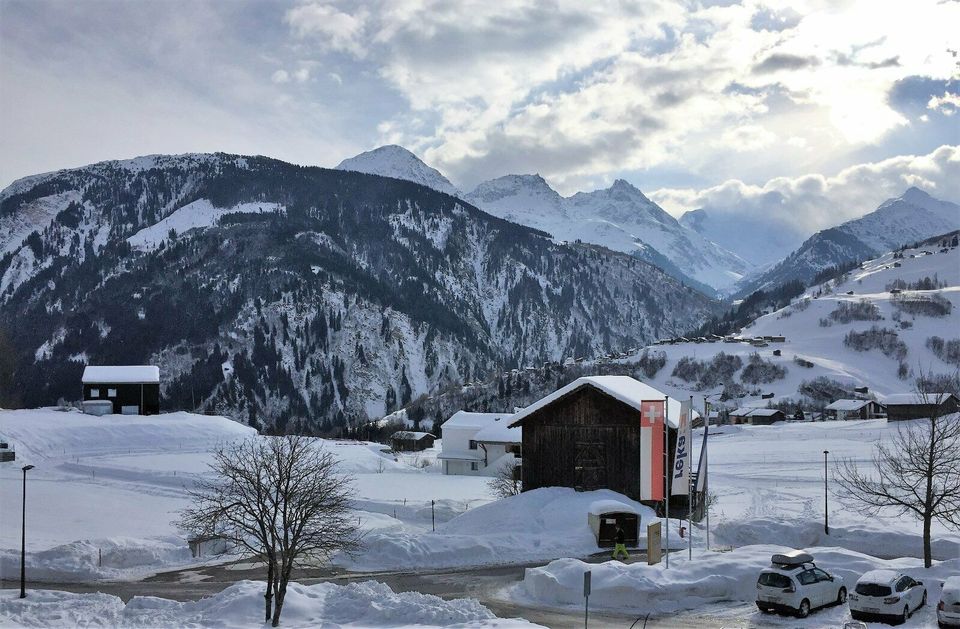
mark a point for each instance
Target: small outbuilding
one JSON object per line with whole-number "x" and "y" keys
{"x": 902, "y": 406}
{"x": 121, "y": 390}
{"x": 757, "y": 416}
{"x": 411, "y": 441}
{"x": 856, "y": 409}
{"x": 605, "y": 516}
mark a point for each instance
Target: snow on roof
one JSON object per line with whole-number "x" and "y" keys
{"x": 624, "y": 388}
{"x": 461, "y": 455}
{"x": 900, "y": 399}
{"x": 881, "y": 576}
{"x": 755, "y": 412}
{"x": 127, "y": 374}
{"x": 847, "y": 405}
{"x": 410, "y": 434}
{"x": 599, "y": 507}
{"x": 464, "y": 419}
{"x": 498, "y": 431}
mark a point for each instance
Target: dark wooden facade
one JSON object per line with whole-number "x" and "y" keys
{"x": 586, "y": 440}
{"x": 145, "y": 397}
{"x": 898, "y": 412}
{"x": 406, "y": 441}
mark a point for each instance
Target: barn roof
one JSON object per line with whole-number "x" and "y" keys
{"x": 755, "y": 412}
{"x": 624, "y": 388}
{"x": 847, "y": 405}
{"x": 411, "y": 434}
{"x": 909, "y": 399}
{"x": 126, "y": 374}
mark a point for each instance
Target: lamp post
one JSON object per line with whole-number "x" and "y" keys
{"x": 23, "y": 536}
{"x": 826, "y": 513}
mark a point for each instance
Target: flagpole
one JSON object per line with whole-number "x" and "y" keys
{"x": 690, "y": 487}
{"x": 666, "y": 466}
{"x": 706, "y": 459}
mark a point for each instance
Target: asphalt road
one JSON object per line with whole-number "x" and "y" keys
{"x": 487, "y": 584}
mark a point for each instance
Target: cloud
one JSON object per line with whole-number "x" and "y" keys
{"x": 331, "y": 28}
{"x": 948, "y": 104}
{"x": 811, "y": 202}
{"x": 280, "y": 77}
{"x": 784, "y": 61}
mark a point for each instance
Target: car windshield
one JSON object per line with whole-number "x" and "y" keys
{"x": 873, "y": 589}
{"x": 774, "y": 580}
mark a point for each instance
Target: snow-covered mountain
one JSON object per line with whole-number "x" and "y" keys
{"x": 912, "y": 217}
{"x": 294, "y": 296}
{"x": 890, "y": 325}
{"x": 766, "y": 241}
{"x": 397, "y": 162}
{"x": 619, "y": 218}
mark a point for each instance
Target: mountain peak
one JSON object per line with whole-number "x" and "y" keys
{"x": 914, "y": 194}
{"x": 392, "y": 160}
{"x": 512, "y": 186}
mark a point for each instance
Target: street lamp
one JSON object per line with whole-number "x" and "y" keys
{"x": 826, "y": 514}
{"x": 23, "y": 536}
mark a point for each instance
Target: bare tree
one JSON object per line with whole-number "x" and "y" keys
{"x": 916, "y": 472}
{"x": 280, "y": 498}
{"x": 505, "y": 483}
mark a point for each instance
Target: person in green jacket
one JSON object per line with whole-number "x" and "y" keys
{"x": 621, "y": 544}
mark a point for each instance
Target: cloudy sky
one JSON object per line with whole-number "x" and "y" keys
{"x": 813, "y": 110}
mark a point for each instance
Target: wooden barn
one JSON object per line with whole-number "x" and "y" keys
{"x": 411, "y": 441}
{"x": 757, "y": 416}
{"x": 121, "y": 390}
{"x": 914, "y": 406}
{"x": 600, "y": 432}
{"x": 856, "y": 409}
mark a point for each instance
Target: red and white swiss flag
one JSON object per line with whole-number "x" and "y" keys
{"x": 652, "y": 422}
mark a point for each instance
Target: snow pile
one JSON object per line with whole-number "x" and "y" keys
{"x": 536, "y": 525}
{"x": 97, "y": 559}
{"x": 865, "y": 537}
{"x": 200, "y": 213}
{"x": 710, "y": 577}
{"x": 368, "y": 604}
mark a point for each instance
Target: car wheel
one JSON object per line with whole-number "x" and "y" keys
{"x": 804, "y": 610}
{"x": 923, "y": 601}
{"x": 763, "y": 608}
{"x": 906, "y": 615}
{"x": 842, "y": 596}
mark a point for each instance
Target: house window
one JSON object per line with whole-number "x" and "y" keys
{"x": 94, "y": 392}
{"x": 474, "y": 466}
{"x": 473, "y": 444}
{"x": 111, "y": 393}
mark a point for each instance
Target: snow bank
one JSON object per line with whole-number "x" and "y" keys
{"x": 869, "y": 537}
{"x": 368, "y": 604}
{"x": 536, "y": 525}
{"x": 98, "y": 559}
{"x": 710, "y": 577}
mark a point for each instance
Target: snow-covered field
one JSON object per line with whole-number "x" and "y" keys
{"x": 367, "y": 604}
{"x": 103, "y": 497}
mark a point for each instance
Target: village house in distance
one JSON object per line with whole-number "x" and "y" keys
{"x": 479, "y": 444}
{"x": 121, "y": 390}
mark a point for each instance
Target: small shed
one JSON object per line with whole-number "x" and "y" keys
{"x": 903, "y": 406}
{"x": 411, "y": 441}
{"x": 128, "y": 389}
{"x": 856, "y": 409}
{"x": 757, "y": 416}
{"x": 605, "y": 516}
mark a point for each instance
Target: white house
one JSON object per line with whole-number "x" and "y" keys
{"x": 479, "y": 444}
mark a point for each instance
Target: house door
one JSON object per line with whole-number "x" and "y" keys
{"x": 591, "y": 466}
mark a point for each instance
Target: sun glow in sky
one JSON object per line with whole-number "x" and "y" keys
{"x": 698, "y": 103}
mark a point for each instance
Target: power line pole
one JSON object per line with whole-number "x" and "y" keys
{"x": 826, "y": 513}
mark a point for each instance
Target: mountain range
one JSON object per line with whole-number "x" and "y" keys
{"x": 910, "y": 218}
{"x": 298, "y": 298}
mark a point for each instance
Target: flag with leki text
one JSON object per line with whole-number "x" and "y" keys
{"x": 680, "y": 473}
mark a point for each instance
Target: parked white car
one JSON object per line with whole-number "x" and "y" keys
{"x": 948, "y": 609}
{"x": 886, "y": 595}
{"x": 794, "y": 584}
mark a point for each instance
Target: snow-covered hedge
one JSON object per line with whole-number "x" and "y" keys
{"x": 926, "y": 305}
{"x": 862, "y": 310}
{"x": 761, "y": 371}
{"x": 947, "y": 351}
{"x": 884, "y": 339}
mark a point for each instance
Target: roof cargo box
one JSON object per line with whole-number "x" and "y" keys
{"x": 792, "y": 558}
